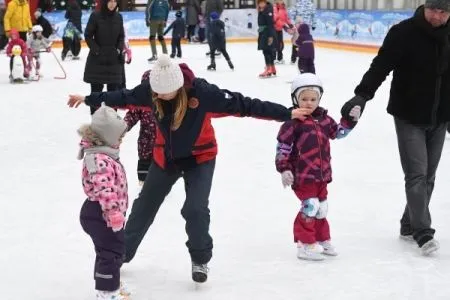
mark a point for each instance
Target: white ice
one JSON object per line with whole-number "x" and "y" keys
{"x": 45, "y": 254}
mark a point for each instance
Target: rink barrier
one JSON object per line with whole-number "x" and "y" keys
{"x": 318, "y": 43}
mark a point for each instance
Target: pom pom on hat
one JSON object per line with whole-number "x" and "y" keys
{"x": 166, "y": 77}
{"x": 214, "y": 15}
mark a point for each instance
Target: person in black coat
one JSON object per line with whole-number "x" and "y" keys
{"x": 178, "y": 28}
{"x": 217, "y": 41}
{"x": 104, "y": 35}
{"x": 418, "y": 51}
{"x": 73, "y": 14}
{"x": 266, "y": 36}
{"x": 47, "y": 28}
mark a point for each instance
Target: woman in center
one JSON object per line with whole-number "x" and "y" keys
{"x": 185, "y": 146}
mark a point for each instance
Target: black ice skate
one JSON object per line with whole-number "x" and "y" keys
{"x": 211, "y": 67}
{"x": 152, "y": 59}
{"x": 230, "y": 64}
{"x": 199, "y": 272}
{"x": 172, "y": 55}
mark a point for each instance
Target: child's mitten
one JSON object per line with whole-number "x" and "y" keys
{"x": 287, "y": 178}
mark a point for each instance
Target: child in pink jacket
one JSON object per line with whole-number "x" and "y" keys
{"x": 281, "y": 21}
{"x": 104, "y": 181}
{"x": 304, "y": 161}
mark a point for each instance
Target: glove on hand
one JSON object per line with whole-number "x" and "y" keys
{"x": 116, "y": 219}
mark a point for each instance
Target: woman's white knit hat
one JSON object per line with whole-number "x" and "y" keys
{"x": 166, "y": 77}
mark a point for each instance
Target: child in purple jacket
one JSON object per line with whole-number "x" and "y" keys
{"x": 147, "y": 134}
{"x": 303, "y": 159}
{"x": 305, "y": 45}
{"x": 102, "y": 215}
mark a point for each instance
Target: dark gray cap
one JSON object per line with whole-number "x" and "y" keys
{"x": 438, "y": 4}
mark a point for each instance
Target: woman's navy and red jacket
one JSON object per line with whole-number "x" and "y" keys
{"x": 194, "y": 141}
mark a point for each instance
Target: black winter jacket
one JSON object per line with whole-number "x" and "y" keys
{"x": 217, "y": 34}
{"x": 104, "y": 35}
{"x": 178, "y": 28}
{"x": 73, "y": 14}
{"x": 266, "y": 28}
{"x": 419, "y": 56}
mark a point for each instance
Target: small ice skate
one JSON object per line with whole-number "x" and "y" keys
{"x": 310, "y": 251}
{"x": 199, "y": 272}
{"x": 429, "y": 247}
{"x": 328, "y": 248}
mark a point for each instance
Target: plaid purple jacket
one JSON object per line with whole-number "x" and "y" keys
{"x": 304, "y": 147}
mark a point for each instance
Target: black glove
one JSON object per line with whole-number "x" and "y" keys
{"x": 347, "y": 107}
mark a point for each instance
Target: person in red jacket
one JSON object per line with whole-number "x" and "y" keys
{"x": 281, "y": 21}
{"x": 185, "y": 146}
{"x": 16, "y": 40}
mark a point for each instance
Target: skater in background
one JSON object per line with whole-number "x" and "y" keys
{"x": 178, "y": 27}
{"x": 156, "y": 15}
{"x": 18, "y": 17}
{"x": 35, "y": 44}
{"x": 266, "y": 36}
{"x": 294, "y": 32}
{"x": 303, "y": 159}
{"x": 306, "y": 9}
{"x": 3, "y": 37}
{"x": 192, "y": 12}
{"x": 420, "y": 105}
{"x": 217, "y": 41}
{"x": 13, "y": 41}
{"x": 281, "y": 22}
{"x": 102, "y": 215}
{"x": 181, "y": 148}
{"x": 306, "y": 53}
{"x": 73, "y": 14}
{"x": 147, "y": 135}
{"x": 105, "y": 38}
{"x": 201, "y": 29}
{"x": 47, "y": 29}
{"x": 71, "y": 41}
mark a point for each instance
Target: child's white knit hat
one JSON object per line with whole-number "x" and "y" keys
{"x": 108, "y": 125}
{"x": 166, "y": 77}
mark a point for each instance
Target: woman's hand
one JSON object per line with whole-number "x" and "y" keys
{"x": 75, "y": 100}
{"x": 301, "y": 113}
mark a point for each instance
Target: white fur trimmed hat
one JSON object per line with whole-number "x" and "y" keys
{"x": 166, "y": 77}
{"x": 108, "y": 125}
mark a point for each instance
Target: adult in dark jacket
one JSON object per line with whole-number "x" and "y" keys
{"x": 192, "y": 12}
{"x": 305, "y": 46}
{"x": 74, "y": 13}
{"x": 210, "y": 6}
{"x": 104, "y": 35}
{"x": 417, "y": 50}
{"x": 3, "y": 37}
{"x": 266, "y": 36}
{"x": 185, "y": 147}
{"x": 46, "y": 26}
{"x": 217, "y": 41}
{"x": 156, "y": 15}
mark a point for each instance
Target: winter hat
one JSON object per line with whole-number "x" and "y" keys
{"x": 438, "y": 4}
{"x": 214, "y": 15}
{"x": 166, "y": 77}
{"x": 37, "y": 13}
{"x": 108, "y": 125}
{"x": 303, "y": 82}
{"x": 178, "y": 14}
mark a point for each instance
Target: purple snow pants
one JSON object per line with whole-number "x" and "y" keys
{"x": 306, "y": 65}
{"x": 109, "y": 247}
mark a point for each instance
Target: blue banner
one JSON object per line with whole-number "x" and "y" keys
{"x": 362, "y": 27}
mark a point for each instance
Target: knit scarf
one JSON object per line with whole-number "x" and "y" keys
{"x": 88, "y": 151}
{"x": 439, "y": 34}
